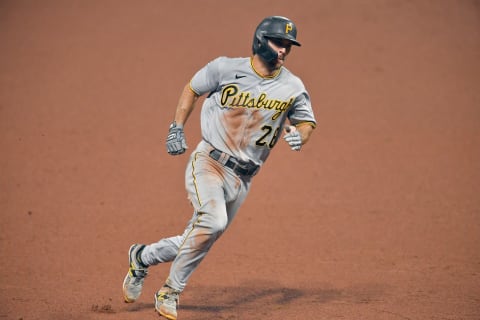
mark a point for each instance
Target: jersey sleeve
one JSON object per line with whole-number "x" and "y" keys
{"x": 302, "y": 111}
{"x": 207, "y": 79}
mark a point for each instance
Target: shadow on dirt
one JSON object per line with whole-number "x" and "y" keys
{"x": 220, "y": 302}
{"x": 222, "y": 299}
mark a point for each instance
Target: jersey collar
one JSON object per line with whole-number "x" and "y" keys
{"x": 277, "y": 72}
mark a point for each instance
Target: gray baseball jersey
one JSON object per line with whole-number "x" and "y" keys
{"x": 244, "y": 112}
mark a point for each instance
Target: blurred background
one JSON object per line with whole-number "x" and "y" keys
{"x": 377, "y": 218}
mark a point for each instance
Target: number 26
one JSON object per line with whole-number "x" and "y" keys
{"x": 267, "y": 138}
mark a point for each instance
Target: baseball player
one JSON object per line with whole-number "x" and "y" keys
{"x": 250, "y": 103}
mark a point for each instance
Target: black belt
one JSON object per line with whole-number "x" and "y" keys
{"x": 241, "y": 168}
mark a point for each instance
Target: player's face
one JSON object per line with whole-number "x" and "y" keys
{"x": 282, "y": 47}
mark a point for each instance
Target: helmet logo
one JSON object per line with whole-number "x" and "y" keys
{"x": 288, "y": 27}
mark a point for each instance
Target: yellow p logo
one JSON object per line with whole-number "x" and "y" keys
{"x": 288, "y": 27}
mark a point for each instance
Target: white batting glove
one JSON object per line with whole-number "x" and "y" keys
{"x": 293, "y": 138}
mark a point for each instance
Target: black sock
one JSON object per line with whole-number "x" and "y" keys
{"x": 139, "y": 259}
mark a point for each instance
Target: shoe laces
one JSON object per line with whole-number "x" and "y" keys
{"x": 172, "y": 297}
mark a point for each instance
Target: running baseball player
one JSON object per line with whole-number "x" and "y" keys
{"x": 250, "y": 103}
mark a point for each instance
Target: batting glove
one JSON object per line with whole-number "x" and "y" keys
{"x": 293, "y": 138}
{"x": 176, "y": 143}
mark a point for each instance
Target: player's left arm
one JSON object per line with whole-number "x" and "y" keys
{"x": 305, "y": 129}
{"x": 297, "y": 135}
{"x": 302, "y": 122}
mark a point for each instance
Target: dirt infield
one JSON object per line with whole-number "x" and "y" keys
{"x": 377, "y": 218}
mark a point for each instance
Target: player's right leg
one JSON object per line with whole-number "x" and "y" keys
{"x": 140, "y": 257}
{"x": 137, "y": 271}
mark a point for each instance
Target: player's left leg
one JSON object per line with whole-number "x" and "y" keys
{"x": 216, "y": 193}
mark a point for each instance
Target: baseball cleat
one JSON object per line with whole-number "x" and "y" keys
{"x": 137, "y": 271}
{"x": 166, "y": 302}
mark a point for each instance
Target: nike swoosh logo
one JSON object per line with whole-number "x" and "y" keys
{"x": 239, "y": 77}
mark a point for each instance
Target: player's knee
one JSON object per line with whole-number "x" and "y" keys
{"x": 218, "y": 228}
{"x": 215, "y": 224}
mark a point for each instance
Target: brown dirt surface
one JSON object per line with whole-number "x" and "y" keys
{"x": 377, "y": 218}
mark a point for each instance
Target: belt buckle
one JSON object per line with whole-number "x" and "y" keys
{"x": 239, "y": 167}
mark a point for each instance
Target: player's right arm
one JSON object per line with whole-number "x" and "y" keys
{"x": 186, "y": 104}
{"x": 205, "y": 80}
{"x": 176, "y": 143}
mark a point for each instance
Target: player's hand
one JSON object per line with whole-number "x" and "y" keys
{"x": 176, "y": 143}
{"x": 293, "y": 138}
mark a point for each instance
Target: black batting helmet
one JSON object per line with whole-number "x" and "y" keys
{"x": 276, "y": 27}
